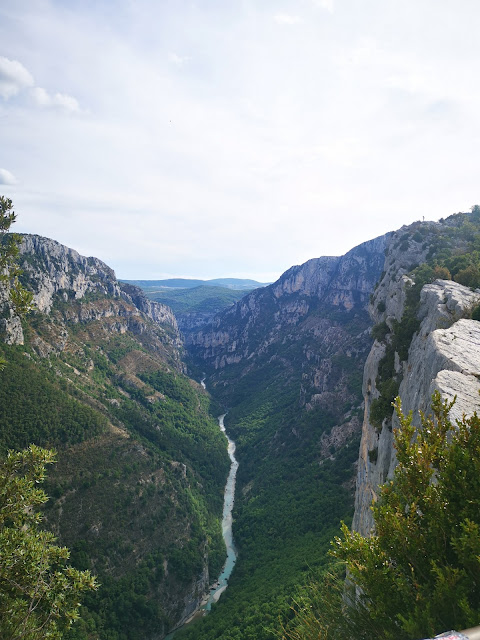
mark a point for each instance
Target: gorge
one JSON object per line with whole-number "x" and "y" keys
{"x": 307, "y": 367}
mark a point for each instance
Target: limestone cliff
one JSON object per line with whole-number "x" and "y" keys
{"x": 443, "y": 354}
{"x": 53, "y": 270}
{"x": 280, "y": 313}
{"x": 60, "y": 278}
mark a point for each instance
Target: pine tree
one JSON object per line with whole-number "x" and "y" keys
{"x": 20, "y": 300}
{"x": 420, "y": 573}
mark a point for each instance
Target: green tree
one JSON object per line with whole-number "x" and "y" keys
{"x": 39, "y": 592}
{"x": 420, "y": 573}
{"x": 19, "y": 299}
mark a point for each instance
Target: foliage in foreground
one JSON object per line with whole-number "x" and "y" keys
{"x": 420, "y": 573}
{"x": 20, "y": 298}
{"x": 39, "y": 593}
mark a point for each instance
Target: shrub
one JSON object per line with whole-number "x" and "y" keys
{"x": 418, "y": 575}
{"x": 476, "y": 313}
{"x": 380, "y": 331}
{"x": 442, "y": 273}
{"x": 469, "y": 277}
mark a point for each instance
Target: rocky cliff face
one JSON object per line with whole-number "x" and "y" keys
{"x": 53, "y": 270}
{"x": 444, "y": 354}
{"x": 84, "y": 290}
{"x": 291, "y": 307}
{"x": 189, "y": 322}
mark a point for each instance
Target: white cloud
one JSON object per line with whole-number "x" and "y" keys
{"x": 7, "y": 178}
{"x": 286, "y": 18}
{"x": 62, "y": 101}
{"x": 13, "y": 77}
{"x": 176, "y": 59}
{"x": 324, "y": 4}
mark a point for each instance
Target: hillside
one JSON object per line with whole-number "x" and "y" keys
{"x": 196, "y": 306}
{"x": 96, "y": 372}
{"x": 209, "y": 300}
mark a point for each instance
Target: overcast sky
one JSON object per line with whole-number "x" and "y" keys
{"x": 235, "y": 137}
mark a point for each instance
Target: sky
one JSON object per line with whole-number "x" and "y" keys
{"x": 235, "y": 137}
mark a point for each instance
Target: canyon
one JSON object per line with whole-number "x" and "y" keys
{"x": 305, "y": 369}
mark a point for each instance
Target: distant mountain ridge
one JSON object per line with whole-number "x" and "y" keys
{"x": 195, "y": 302}
{"x": 190, "y": 283}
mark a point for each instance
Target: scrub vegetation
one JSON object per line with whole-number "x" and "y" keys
{"x": 418, "y": 575}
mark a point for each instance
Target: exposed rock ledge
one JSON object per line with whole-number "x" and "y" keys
{"x": 444, "y": 355}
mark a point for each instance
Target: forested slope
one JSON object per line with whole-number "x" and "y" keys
{"x": 137, "y": 490}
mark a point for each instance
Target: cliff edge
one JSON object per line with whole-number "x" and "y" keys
{"x": 443, "y": 353}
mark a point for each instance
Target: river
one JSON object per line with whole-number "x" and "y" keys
{"x": 221, "y": 583}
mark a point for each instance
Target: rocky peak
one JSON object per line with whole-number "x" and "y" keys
{"x": 55, "y": 273}
{"x": 50, "y": 267}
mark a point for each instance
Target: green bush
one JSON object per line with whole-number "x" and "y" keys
{"x": 469, "y": 277}
{"x": 418, "y": 575}
{"x": 380, "y": 331}
{"x": 476, "y": 313}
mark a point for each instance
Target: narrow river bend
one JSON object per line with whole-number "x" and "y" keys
{"x": 221, "y": 583}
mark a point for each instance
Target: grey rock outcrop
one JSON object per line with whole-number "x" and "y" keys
{"x": 444, "y": 355}
{"x": 56, "y": 273}
{"x": 53, "y": 268}
{"x": 11, "y": 329}
{"x": 157, "y": 311}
